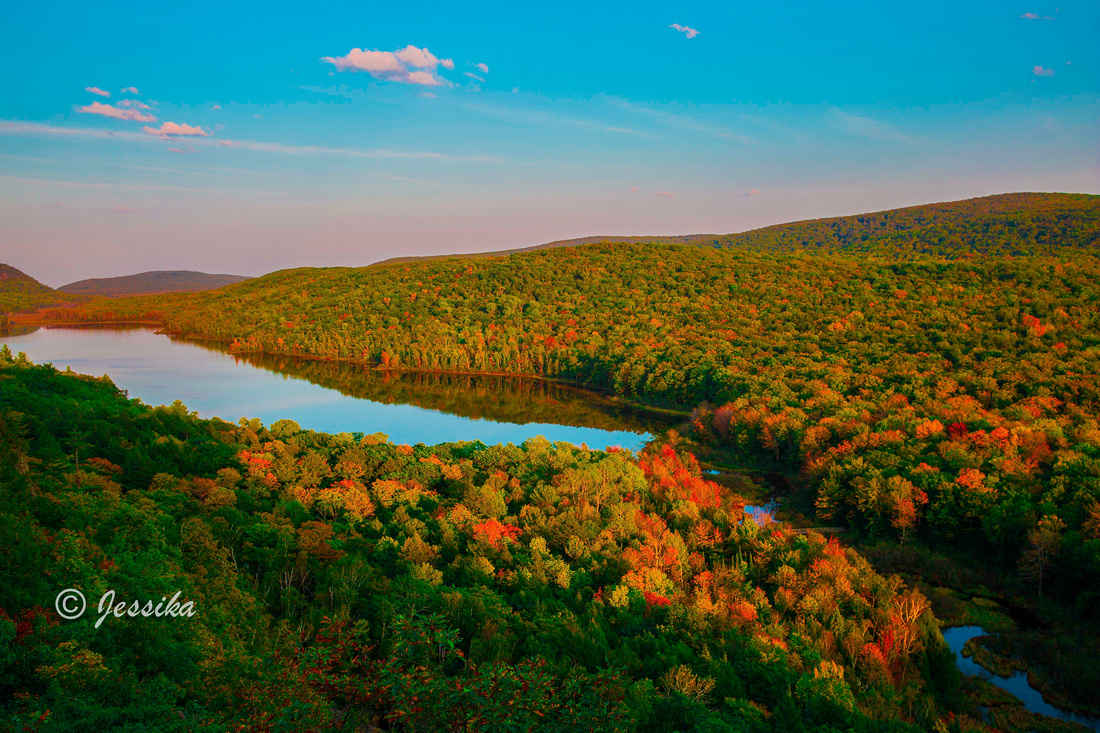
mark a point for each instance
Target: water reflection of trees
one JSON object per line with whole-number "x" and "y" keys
{"x": 501, "y": 398}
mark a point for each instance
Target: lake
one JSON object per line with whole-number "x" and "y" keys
{"x": 338, "y": 397}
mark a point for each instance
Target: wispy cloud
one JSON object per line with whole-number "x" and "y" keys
{"x": 410, "y": 65}
{"x": 681, "y": 122}
{"x": 32, "y": 128}
{"x": 98, "y": 108}
{"x": 96, "y": 186}
{"x": 171, "y": 129}
{"x": 870, "y": 128}
{"x": 1040, "y": 71}
{"x": 120, "y": 209}
{"x": 689, "y": 32}
{"x": 188, "y": 151}
{"x": 133, "y": 103}
{"x": 529, "y": 117}
{"x": 664, "y": 194}
{"x": 472, "y": 75}
{"x": 130, "y": 90}
{"x": 1034, "y": 16}
{"x": 97, "y": 90}
{"x": 483, "y": 68}
{"x": 751, "y": 192}
{"x": 368, "y": 153}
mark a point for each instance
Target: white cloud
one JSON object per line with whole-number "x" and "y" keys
{"x": 169, "y": 129}
{"x": 98, "y": 108}
{"x": 410, "y": 65}
{"x": 689, "y": 32}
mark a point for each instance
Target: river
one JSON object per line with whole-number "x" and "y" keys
{"x": 956, "y": 638}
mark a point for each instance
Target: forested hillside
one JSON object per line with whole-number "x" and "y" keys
{"x": 20, "y": 292}
{"x": 341, "y": 582}
{"x": 1008, "y": 224}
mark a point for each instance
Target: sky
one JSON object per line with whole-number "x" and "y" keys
{"x": 244, "y": 138}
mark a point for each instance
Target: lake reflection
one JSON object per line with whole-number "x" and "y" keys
{"x": 337, "y": 397}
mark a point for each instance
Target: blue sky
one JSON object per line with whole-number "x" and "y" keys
{"x": 273, "y": 135}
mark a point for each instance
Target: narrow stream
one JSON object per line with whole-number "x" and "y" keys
{"x": 956, "y": 638}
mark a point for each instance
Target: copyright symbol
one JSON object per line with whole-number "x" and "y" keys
{"x": 70, "y": 604}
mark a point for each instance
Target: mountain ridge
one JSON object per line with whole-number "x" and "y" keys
{"x": 150, "y": 282}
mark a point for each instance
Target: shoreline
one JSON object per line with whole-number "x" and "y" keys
{"x": 663, "y": 412}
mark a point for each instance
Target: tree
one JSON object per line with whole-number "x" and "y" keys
{"x": 1044, "y": 542}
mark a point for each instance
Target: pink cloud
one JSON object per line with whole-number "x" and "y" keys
{"x": 1040, "y": 71}
{"x": 229, "y": 143}
{"x": 98, "y": 108}
{"x": 97, "y": 90}
{"x": 634, "y": 189}
{"x": 664, "y": 194}
{"x": 168, "y": 129}
{"x": 483, "y": 68}
{"x": 180, "y": 150}
{"x": 216, "y": 106}
{"x": 689, "y": 32}
{"x": 410, "y": 65}
{"x": 472, "y": 75}
{"x": 133, "y": 103}
{"x": 120, "y": 209}
{"x": 130, "y": 90}
{"x": 1033, "y": 16}
{"x": 753, "y": 192}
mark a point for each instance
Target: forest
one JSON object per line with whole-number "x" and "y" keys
{"x": 342, "y": 582}
{"x": 924, "y": 379}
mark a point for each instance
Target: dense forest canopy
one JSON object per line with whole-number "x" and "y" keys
{"x": 343, "y": 582}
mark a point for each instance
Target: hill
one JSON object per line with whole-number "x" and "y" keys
{"x": 155, "y": 281}
{"x": 1006, "y": 224}
{"x": 576, "y": 242}
{"x": 20, "y": 292}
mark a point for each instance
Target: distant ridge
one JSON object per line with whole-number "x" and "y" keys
{"x": 1009, "y": 223}
{"x": 659, "y": 239}
{"x": 148, "y": 283}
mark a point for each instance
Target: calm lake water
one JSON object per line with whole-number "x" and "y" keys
{"x": 956, "y": 638}
{"x": 335, "y": 397}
